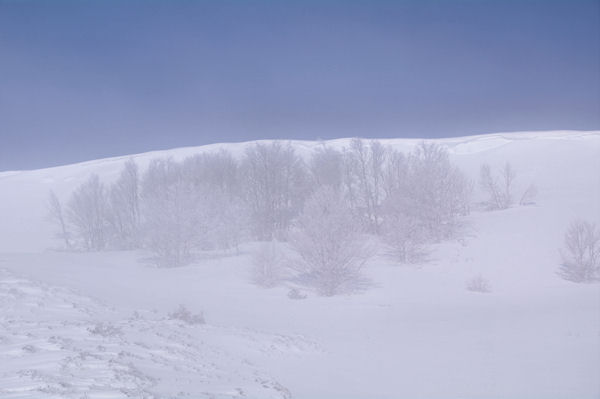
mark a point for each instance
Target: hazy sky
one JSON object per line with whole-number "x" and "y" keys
{"x": 89, "y": 79}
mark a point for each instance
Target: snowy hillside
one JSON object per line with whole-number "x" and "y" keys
{"x": 102, "y": 324}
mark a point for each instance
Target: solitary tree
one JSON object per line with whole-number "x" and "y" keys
{"x": 581, "y": 257}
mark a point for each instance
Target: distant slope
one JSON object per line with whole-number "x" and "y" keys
{"x": 565, "y": 165}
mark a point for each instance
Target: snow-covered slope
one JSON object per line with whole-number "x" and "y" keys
{"x": 415, "y": 333}
{"x": 556, "y": 161}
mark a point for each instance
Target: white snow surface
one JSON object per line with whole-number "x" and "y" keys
{"x": 96, "y": 325}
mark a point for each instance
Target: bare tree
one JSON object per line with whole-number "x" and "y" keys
{"x": 217, "y": 171}
{"x": 125, "y": 214}
{"x": 508, "y": 176}
{"x": 404, "y": 234}
{"x": 581, "y": 257}
{"x": 275, "y": 184}
{"x": 55, "y": 211}
{"x": 215, "y": 177}
{"x": 437, "y": 192}
{"x": 529, "y": 195}
{"x": 395, "y": 174}
{"x": 499, "y": 189}
{"x": 329, "y": 243}
{"x": 228, "y": 220}
{"x": 326, "y": 168}
{"x": 174, "y": 214}
{"x": 88, "y": 213}
{"x": 365, "y": 168}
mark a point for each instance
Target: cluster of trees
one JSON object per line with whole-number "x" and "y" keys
{"x": 323, "y": 206}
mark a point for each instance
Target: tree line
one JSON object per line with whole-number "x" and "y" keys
{"x": 217, "y": 201}
{"x": 327, "y": 207}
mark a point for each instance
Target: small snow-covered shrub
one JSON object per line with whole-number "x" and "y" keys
{"x": 183, "y": 314}
{"x": 295, "y": 293}
{"x": 268, "y": 265}
{"x": 479, "y": 284}
{"x": 581, "y": 258}
{"x": 105, "y": 330}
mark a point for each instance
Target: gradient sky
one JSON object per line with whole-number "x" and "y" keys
{"x": 89, "y": 79}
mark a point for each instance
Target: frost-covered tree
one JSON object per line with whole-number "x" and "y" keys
{"x": 228, "y": 221}
{"x": 499, "y": 189}
{"x": 88, "y": 214}
{"x": 402, "y": 228}
{"x": 275, "y": 183}
{"x": 174, "y": 214}
{"x": 124, "y": 200}
{"x": 330, "y": 245}
{"x": 581, "y": 255}
{"x": 364, "y": 165}
{"x": 215, "y": 178}
{"x": 57, "y": 215}
{"x": 326, "y": 168}
{"x": 437, "y": 192}
{"x": 217, "y": 171}
{"x": 395, "y": 174}
{"x": 404, "y": 234}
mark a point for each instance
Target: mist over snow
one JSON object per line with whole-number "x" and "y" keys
{"x": 459, "y": 268}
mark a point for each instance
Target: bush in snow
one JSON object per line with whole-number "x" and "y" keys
{"x": 268, "y": 268}
{"x": 330, "y": 246}
{"x": 479, "y": 284}
{"x": 581, "y": 256}
{"x": 105, "y": 330}
{"x": 183, "y": 314}
{"x": 295, "y": 293}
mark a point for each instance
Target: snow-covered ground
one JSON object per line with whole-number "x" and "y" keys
{"x": 98, "y": 324}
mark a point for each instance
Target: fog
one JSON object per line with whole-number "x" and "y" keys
{"x": 287, "y": 269}
{"x": 316, "y": 199}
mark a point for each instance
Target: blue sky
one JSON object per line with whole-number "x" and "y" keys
{"x": 88, "y": 79}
